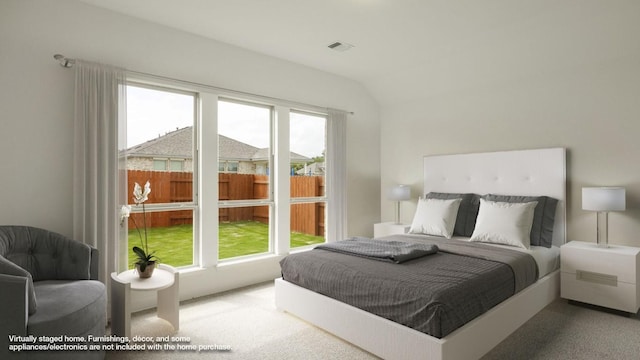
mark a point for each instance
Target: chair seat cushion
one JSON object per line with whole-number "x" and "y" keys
{"x": 68, "y": 308}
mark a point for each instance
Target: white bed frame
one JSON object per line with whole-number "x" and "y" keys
{"x": 522, "y": 172}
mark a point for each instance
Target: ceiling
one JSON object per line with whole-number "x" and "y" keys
{"x": 400, "y": 45}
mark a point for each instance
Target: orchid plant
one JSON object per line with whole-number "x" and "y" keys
{"x": 140, "y": 195}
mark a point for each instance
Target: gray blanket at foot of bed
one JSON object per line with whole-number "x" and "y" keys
{"x": 393, "y": 251}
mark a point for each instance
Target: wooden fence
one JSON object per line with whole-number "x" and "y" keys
{"x": 168, "y": 187}
{"x": 307, "y": 218}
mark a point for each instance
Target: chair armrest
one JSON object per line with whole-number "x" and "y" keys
{"x": 14, "y": 310}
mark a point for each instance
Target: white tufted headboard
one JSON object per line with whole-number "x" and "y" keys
{"x": 519, "y": 172}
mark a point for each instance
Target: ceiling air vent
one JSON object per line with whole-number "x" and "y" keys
{"x": 340, "y": 46}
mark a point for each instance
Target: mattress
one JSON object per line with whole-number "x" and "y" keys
{"x": 435, "y": 294}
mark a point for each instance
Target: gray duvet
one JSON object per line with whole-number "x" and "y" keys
{"x": 434, "y": 294}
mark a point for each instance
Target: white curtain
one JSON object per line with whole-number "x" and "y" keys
{"x": 336, "y": 175}
{"x": 99, "y": 105}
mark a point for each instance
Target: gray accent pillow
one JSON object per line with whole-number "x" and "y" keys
{"x": 543, "y": 217}
{"x": 467, "y": 212}
{"x": 9, "y": 268}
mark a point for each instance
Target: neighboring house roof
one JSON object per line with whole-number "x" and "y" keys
{"x": 179, "y": 143}
{"x": 233, "y": 149}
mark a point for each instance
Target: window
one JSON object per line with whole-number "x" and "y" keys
{"x": 228, "y": 166}
{"x": 176, "y": 165}
{"x": 244, "y": 192}
{"x": 263, "y": 174}
{"x": 159, "y": 164}
{"x": 308, "y": 203}
{"x": 160, "y": 124}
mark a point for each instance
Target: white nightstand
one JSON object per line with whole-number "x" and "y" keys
{"x": 601, "y": 276}
{"x": 389, "y": 228}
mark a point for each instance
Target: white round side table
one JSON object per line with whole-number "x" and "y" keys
{"x": 165, "y": 280}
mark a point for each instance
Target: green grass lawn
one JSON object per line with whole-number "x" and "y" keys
{"x": 174, "y": 245}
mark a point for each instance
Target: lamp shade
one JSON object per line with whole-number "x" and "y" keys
{"x": 603, "y": 199}
{"x": 400, "y": 193}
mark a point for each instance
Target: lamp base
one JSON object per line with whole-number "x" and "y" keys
{"x": 397, "y": 212}
{"x": 602, "y": 229}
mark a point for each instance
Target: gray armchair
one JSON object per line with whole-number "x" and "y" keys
{"x": 48, "y": 287}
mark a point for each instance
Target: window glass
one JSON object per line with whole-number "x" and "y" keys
{"x": 244, "y": 134}
{"x": 308, "y": 143}
{"x": 176, "y": 165}
{"x": 159, "y": 165}
{"x": 169, "y": 235}
{"x": 160, "y": 124}
{"x": 243, "y": 231}
{"x": 307, "y": 224}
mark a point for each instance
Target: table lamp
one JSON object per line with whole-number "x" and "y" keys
{"x": 399, "y": 193}
{"x": 603, "y": 200}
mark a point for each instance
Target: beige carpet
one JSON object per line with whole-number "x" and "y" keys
{"x": 577, "y": 332}
{"x": 247, "y": 321}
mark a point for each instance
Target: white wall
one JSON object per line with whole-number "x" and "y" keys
{"x": 36, "y": 100}
{"x": 568, "y": 78}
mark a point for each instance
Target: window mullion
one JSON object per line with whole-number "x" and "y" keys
{"x": 282, "y": 181}
{"x": 301, "y": 200}
{"x": 208, "y": 184}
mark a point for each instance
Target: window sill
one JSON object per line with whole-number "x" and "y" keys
{"x": 245, "y": 260}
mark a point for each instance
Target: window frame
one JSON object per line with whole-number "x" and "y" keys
{"x": 312, "y": 199}
{"x": 269, "y": 201}
{"x": 192, "y": 205}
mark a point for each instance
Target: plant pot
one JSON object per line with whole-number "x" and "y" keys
{"x": 148, "y": 271}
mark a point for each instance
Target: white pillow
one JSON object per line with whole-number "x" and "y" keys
{"x": 435, "y": 217}
{"x": 504, "y": 223}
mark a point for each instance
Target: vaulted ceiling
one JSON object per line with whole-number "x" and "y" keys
{"x": 405, "y": 48}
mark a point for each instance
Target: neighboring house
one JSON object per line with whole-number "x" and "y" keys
{"x": 174, "y": 152}
{"x": 316, "y": 168}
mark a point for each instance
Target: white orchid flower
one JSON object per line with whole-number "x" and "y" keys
{"x": 125, "y": 211}
{"x": 140, "y": 196}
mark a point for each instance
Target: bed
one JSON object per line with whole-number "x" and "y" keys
{"x": 523, "y": 172}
